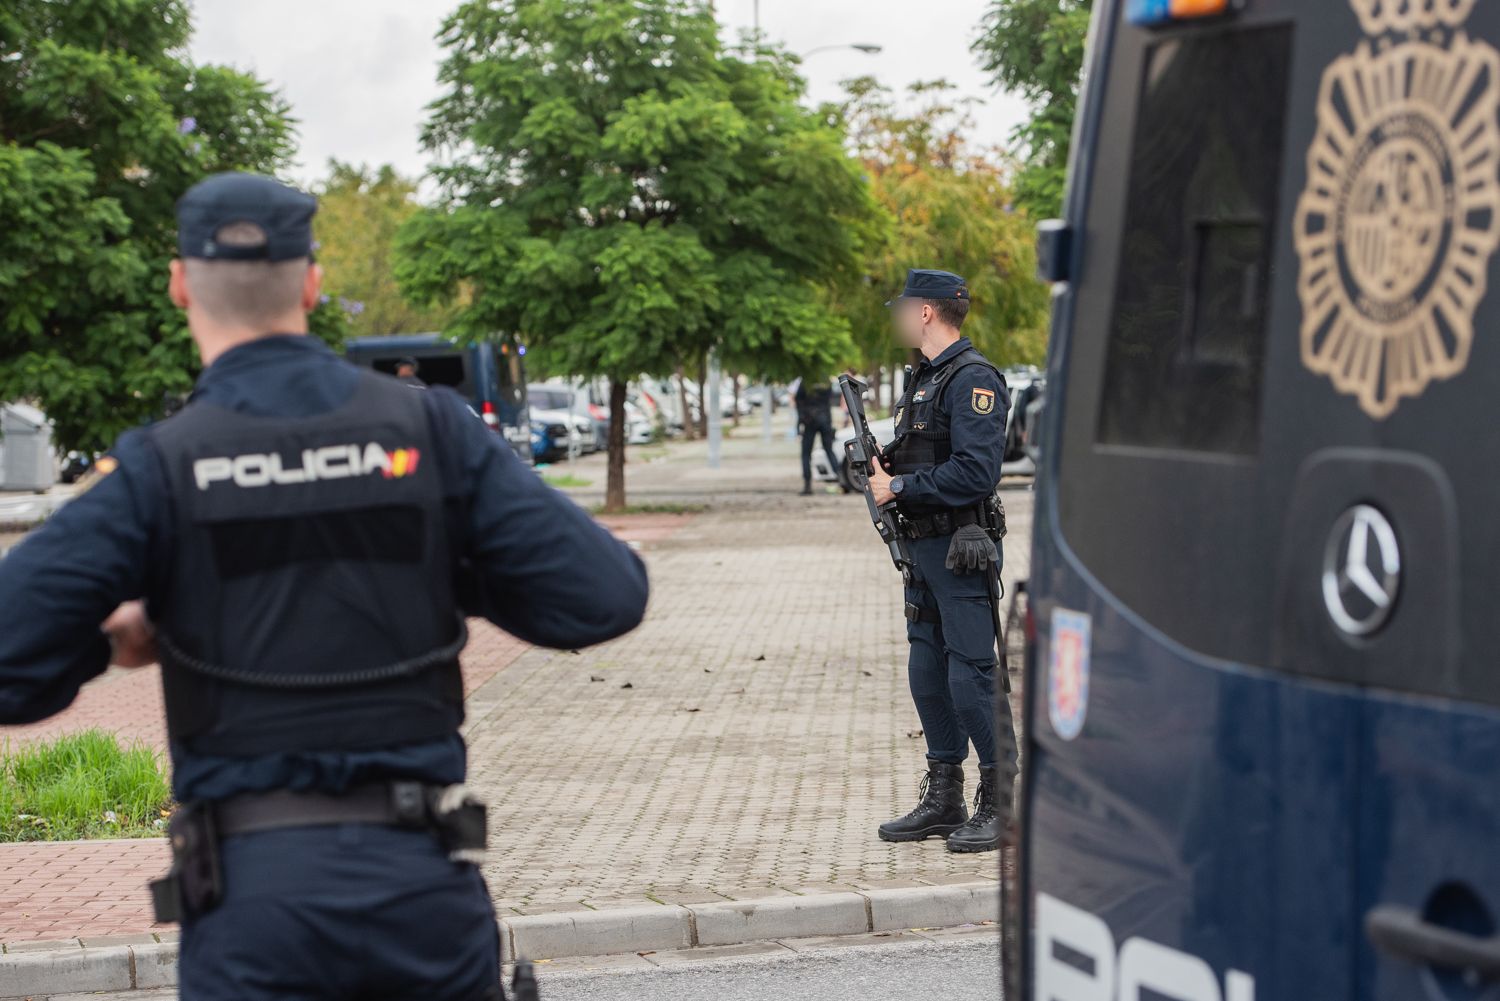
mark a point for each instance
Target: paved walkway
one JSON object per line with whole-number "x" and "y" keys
{"x": 744, "y": 742}
{"x": 748, "y": 738}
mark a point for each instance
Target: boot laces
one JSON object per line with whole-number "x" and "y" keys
{"x": 923, "y": 804}
{"x": 984, "y": 803}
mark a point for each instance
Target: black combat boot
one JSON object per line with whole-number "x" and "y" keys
{"x": 984, "y": 830}
{"x": 807, "y": 488}
{"x": 941, "y": 811}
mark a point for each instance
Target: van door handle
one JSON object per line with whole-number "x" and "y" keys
{"x": 1401, "y": 932}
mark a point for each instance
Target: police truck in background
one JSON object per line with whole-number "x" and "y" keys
{"x": 491, "y": 375}
{"x": 1262, "y": 757}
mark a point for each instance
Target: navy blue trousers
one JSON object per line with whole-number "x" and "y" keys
{"x": 810, "y": 432}
{"x": 951, "y": 667}
{"x": 352, "y": 912}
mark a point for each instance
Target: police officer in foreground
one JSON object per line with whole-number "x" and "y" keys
{"x": 942, "y": 469}
{"x": 307, "y": 537}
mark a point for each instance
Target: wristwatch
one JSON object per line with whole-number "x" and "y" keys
{"x": 898, "y": 484}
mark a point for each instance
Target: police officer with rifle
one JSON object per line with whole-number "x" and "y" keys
{"x": 933, "y": 498}
{"x": 299, "y": 546}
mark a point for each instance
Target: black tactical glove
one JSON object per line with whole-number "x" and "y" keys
{"x": 972, "y": 551}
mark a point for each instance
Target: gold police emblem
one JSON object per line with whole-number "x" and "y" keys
{"x": 983, "y": 401}
{"x": 1401, "y": 214}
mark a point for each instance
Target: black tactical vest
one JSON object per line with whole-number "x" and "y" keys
{"x": 924, "y": 435}
{"x": 310, "y": 604}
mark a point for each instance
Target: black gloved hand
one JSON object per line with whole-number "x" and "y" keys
{"x": 972, "y": 551}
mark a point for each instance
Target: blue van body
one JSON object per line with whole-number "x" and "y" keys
{"x": 490, "y": 375}
{"x": 1260, "y": 707}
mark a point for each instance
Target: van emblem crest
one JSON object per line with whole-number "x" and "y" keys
{"x": 1401, "y": 214}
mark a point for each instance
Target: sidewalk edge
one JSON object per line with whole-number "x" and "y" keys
{"x": 644, "y": 929}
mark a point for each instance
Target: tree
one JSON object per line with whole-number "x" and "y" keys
{"x": 360, "y": 211}
{"x": 953, "y": 210}
{"x": 1034, "y": 48}
{"x": 103, "y": 125}
{"x": 624, "y": 193}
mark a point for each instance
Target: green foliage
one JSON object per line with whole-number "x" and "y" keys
{"x": 624, "y": 193}
{"x": 1034, "y": 48}
{"x": 953, "y": 210}
{"x": 83, "y": 785}
{"x": 360, "y": 211}
{"x": 102, "y": 126}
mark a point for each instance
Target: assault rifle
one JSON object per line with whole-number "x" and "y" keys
{"x": 862, "y": 451}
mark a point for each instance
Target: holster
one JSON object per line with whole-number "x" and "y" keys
{"x": 461, "y": 823}
{"x": 195, "y": 883}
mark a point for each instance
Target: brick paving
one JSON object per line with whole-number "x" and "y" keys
{"x": 744, "y": 742}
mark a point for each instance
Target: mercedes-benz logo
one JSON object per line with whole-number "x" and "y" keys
{"x": 1361, "y": 571}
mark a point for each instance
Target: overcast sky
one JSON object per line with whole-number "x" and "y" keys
{"x": 358, "y": 73}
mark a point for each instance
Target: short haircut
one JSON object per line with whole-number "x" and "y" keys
{"x": 953, "y": 312}
{"x": 245, "y": 293}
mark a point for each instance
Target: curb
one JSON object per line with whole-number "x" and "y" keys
{"x": 79, "y": 969}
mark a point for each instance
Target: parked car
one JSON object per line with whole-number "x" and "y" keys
{"x": 557, "y": 434}
{"x": 574, "y": 402}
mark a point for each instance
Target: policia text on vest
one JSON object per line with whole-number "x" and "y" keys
{"x": 300, "y": 547}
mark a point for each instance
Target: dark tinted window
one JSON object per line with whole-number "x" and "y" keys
{"x": 1189, "y": 321}
{"x": 435, "y": 370}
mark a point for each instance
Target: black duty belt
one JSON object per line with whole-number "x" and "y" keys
{"x": 399, "y": 804}
{"x": 195, "y": 885}
{"x": 928, "y": 526}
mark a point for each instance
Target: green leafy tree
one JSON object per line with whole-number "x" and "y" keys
{"x": 103, "y": 125}
{"x": 953, "y": 210}
{"x": 625, "y": 194}
{"x": 360, "y": 211}
{"x": 1034, "y": 48}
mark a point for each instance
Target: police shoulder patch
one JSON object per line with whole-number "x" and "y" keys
{"x": 983, "y": 401}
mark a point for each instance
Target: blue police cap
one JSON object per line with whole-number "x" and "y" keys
{"x": 283, "y": 215}
{"x": 924, "y": 284}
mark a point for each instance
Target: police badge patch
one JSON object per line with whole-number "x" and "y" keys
{"x": 983, "y": 401}
{"x": 1402, "y": 209}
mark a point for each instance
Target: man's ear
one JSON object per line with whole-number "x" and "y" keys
{"x": 312, "y": 288}
{"x": 928, "y": 314}
{"x": 177, "y": 287}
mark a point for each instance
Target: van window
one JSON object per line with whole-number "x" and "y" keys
{"x": 436, "y": 370}
{"x": 1188, "y": 328}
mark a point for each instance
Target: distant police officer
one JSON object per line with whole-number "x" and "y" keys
{"x": 942, "y": 469}
{"x": 406, "y": 371}
{"x": 307, "y": 537}
{"x": 814, "y": 399}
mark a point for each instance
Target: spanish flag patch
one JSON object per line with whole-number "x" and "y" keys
{"x": 983, "y": 401}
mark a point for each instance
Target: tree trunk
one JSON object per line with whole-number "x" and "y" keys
{"x": 614, "y": 490}
{"x": 689, "y": 426}
{"x": 734, "y": 396}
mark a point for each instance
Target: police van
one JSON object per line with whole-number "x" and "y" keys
{"x": 1262, "y": 752}
{"x": 491, "y": 375}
